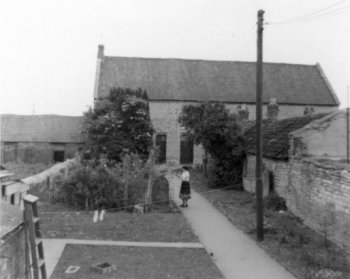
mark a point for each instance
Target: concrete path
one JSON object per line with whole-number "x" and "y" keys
{"x": 235, "y": 254}
{"x": 54, "y": 247}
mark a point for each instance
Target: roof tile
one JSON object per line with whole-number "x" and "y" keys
{"x": 200, "y": 80}
{"x": 41, "y": 128}
{"x": 276, "y": 135}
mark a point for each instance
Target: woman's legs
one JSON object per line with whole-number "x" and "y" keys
{"x": 183, "y": 202}
{"x": 186, "y": 202}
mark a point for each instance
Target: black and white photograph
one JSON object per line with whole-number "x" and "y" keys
{"x": 175, "y": 139}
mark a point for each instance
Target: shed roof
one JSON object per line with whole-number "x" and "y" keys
{"x": 226, "y": 81}
{"x": 41, "y": 128}
{"x": 276, "y": 135}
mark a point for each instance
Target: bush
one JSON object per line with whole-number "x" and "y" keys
{"x": 105, "y": 184}
{"x": 275, "y": 202}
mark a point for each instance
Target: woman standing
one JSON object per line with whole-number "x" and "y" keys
{"x": 185, "y": 190}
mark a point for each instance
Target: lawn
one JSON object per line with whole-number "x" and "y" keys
{"x": 168, "y": 227}
{"x": 137, "y": 262}
{"x": 295, "y": 246}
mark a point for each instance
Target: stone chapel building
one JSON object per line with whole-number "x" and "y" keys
{"x": 171, "y": 83}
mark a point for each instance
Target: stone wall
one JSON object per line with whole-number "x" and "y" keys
{"x": 285, "y": 111}
{"x": 279, "y": 179}
{"x": 12, "y": 251}
{"x": 37, "y": 152}
{"x": 317, "y": 192}
{"x": 164, "y": 115}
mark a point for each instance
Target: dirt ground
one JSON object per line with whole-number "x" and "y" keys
{"x": 302, "y": 251}
{"x": 137, "y": 262}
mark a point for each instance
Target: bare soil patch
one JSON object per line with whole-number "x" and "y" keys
{"x": 301, "y": 250}
{"x": 137, "y": 262}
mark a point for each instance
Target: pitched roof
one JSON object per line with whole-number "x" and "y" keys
{"x": 41, "y": 128}
{"x": 276, "y": 135}
{"x": 200, "y": 80}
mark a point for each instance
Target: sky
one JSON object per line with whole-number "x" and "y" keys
{"x": 48, "y": 48}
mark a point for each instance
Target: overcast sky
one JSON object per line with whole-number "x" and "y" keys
{"x": 48, "y": 48}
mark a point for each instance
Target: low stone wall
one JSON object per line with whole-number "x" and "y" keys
{"x": 318, "y": 193}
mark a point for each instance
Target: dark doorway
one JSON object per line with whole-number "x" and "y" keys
{"x": 186, "y": 150}
{"x": 161, "y": 144}
{"x": 58, "y": 156}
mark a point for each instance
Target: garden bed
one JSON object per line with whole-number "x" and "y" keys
{"x": 137, "y": 262}
{"x": 295, "y": 246}
{"x": 60, "y": 222}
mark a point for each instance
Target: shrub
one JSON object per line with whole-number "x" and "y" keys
{"x": 106, "y": 184}
{"x": 275, "y": 202}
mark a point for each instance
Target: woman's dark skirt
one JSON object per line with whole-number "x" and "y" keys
{"x": 185, "y": 190}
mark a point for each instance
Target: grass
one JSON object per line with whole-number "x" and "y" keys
{"x": 287, "y": 240}
{"x": 137, "y": 262}
{"x": 155, "y": 226}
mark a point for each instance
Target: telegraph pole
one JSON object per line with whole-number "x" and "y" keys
{"x": 347, "y": 127}
{"x": 259, "y": 138}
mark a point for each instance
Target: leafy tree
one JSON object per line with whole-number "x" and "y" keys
{"x": 216, "y": 129}
{"x": 120, "y": 124}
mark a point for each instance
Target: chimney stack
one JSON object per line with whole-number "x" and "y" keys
{"x": 309, "y": 110}
{"x": 243, "y": 112}
{"x": 100, "y": 53}
{"x": 272, "y": 110}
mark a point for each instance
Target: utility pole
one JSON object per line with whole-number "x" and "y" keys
{"x": 347, "y": 127}
{"x": 259, "y": 138}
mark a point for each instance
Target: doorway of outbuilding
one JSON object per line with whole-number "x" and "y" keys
{"x": 58, "y": 156}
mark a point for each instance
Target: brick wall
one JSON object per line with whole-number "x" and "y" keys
{"x": 37, "y": 152}
{"x": 164, "y": 117}
{"x": 318, "y": 193}
{"x": 12, "y": 251}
